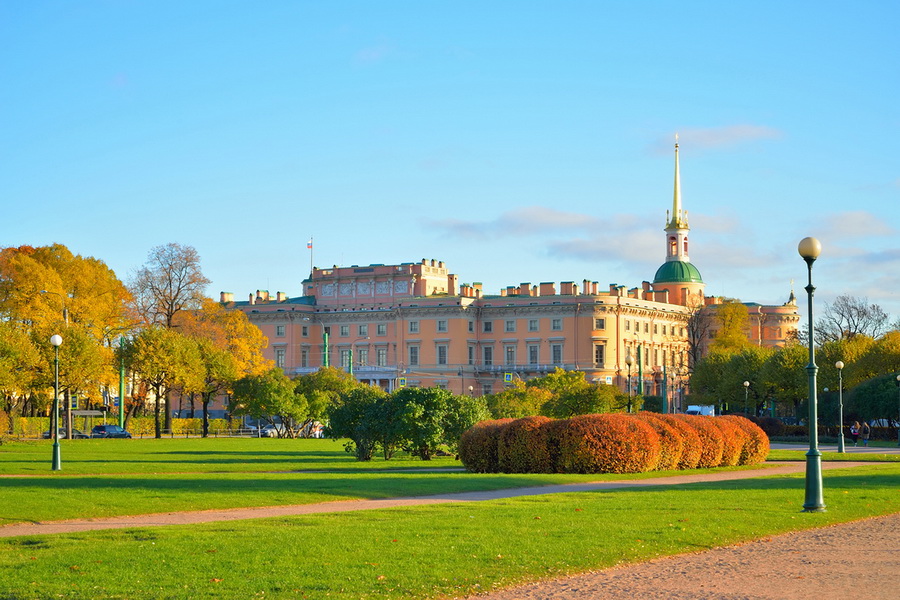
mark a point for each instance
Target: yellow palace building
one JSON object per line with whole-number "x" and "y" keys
{"x": 414, "y": 324}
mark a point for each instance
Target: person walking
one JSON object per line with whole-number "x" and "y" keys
{"x": 864, "y": 433}
{"x": 854, "y": 432}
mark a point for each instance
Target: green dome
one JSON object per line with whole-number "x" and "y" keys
{"x": 677, "y": 271}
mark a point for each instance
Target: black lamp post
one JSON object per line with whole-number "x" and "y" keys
{"x": 839, "y": 365}
{"x": 628, "y": 362}
{"x": 810, "y": 248}
{"x": 746, "y": 391}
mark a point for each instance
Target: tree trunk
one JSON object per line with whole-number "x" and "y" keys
{"x": 168, "y": 416}
{"x": 206, "y": 399}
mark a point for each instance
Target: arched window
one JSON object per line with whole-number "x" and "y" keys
{"x": 673, "y": 246}
{"x": 685, "y": 246}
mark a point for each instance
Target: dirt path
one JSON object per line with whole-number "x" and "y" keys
{"x": 853, "y": 560}
{"x": 237, "y": 514}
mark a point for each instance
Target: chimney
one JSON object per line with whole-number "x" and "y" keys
{"x": 252, "y": 299}
{"x": 566, "y": 288}
{"x": 524, "y": 289}
{"x": 547, "y": 288}
{"x": 280, "y": 296}
{"x": 226, "y": 297}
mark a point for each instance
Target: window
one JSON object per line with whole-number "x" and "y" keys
{"x": 599, "y": 323}
{"x": 345, "y": 357}
{"x": 488, "y": 326}
{"x": 655, "y": 357}
{"x": 471, "y": 355}
{"x": 556, "y": 324}
{"x": 304, "y": 358}
{"x": 556, "y": 354}
{"x": 362, "y": 356}
{"x": 279, "y": 331}
{"x": 414, "y": 327}
{"x": 304, "y": 331}
{"x": 381, "y": 357}
{"x": 471, "y": 326}
{"x": 442, "y": 355}
{"x": 646, "y": 327}
{"x": 381, "y": 329}
{"x": 599, "y": 351}
{"x": 442, "y": 326}
{"x": 655, "y": 328}
{"x": 362, "y": 331}
{"x": 533, "y": 354}
{"x": 533, "y": 324}
{"x": 627, "y": 325}
{"x": 279, "y": 358}
{"x": 510, "y": 352}
{"x": 664, "y": 330}
{"x": 487, "y": 389}
{"x": 487, "y": 355}
{"x": 509, "y": 326}
{"x": 413, "y": 356}
{"x": 345, "y": 331}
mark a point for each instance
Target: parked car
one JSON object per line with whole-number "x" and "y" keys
{"x": 109, "y": 431}
{"x": 76, "y": 435}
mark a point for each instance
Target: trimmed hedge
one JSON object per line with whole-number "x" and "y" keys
{"x": 608, "y": 443}
{"x": 522, "y": 446}
{"x": 671, "y": 441}
{"x": 479, "y": 444}
{"x": 611, "y": 443}
{"x": 712, "y": 441}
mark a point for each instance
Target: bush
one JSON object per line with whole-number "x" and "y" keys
{"x": 711, "y": 442}
{"x": 609, "y": 443}
{"x": 733, "y": 438}
{"x": 478, "y": 446}
{"x": 671, "y": 442}
{"x": 756, "y": 445}
{"x": 691, "y": 446}
{"x": 770, "y": 425}
{"x": 522, "y": 446}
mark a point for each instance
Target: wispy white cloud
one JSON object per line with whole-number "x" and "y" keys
{"x": 705, "y": 138}
{"x": 854, "y": 225}
{"x": 528, "y": 220}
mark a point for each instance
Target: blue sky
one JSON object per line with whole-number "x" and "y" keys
{"x": 515, "y": 141}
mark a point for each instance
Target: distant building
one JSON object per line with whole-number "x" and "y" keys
{"x": 414, "y": 324}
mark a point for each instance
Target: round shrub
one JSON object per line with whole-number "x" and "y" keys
{"x": 691, "y": 447}
{"x": 478, "y": 446}
{"x": 733, "y": 438}
{"x": 522, "y": 447}
{"x": 608, "y": 443}
{"x": 671, "y": 442}
{"x": 711, "y": 442}
{"x": 756, "y": 446}
{"x": 771, "y": 426}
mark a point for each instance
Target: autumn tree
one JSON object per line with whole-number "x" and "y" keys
{"x": 698, "y": 324}
{"x": 323, "y": 388}
{"x": 230, "y": 348}
{"x": 733, "y": 320}
{"x": 164, "y": 360}
{"x": 572, "y": 394}
{"x": 170, "y": 281}
{"x": 518, "y": 401}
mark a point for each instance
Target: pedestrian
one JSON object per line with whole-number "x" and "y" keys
{"x": 854, "y": 432}
{"x": 864, "y": 432}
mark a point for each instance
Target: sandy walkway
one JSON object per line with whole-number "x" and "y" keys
{"x": 849, "y": 561}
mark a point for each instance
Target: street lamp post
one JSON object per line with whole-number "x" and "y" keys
{"x": 629, "y": 360}
{"x": 56, "y": 340}
{"x": 746, "y": 391}
{"x": 810, "y": 248}
{"x": 839, "y": 365}
{"x": 350, "y": 354}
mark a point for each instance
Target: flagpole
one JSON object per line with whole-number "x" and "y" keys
{"x": 310, "y": 246}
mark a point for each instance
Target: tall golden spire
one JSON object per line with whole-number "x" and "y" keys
{"x": 679, "y": 217}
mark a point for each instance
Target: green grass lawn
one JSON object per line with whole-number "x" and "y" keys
{"x": 430, "y": 552}
{"x": 103, "y": 478}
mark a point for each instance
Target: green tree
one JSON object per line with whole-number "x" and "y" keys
{"x": 270, "y": 397}
{"x": 324, "y": 388}
{"x": 518, "y": 401}
{"x": 784, "y": 374}
{"x": 573, "y": 395}
{"x": 367, "y": 416}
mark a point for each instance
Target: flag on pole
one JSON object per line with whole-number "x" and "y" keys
{"x": 309, "y": 244}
